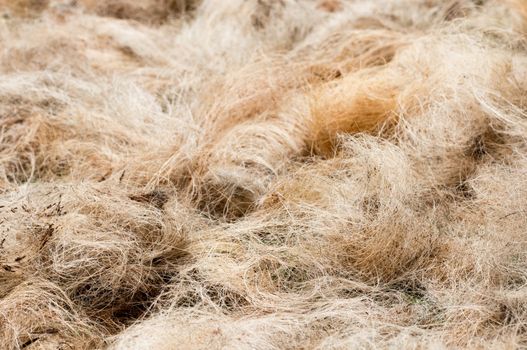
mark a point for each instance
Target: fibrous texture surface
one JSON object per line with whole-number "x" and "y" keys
{"x": 263, "y": 174}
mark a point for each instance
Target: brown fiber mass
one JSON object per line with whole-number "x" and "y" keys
{"x": 263, "y": 174}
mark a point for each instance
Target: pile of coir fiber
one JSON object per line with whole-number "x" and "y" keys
{"x": 263, "y": 174}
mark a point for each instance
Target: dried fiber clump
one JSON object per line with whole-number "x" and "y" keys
{"x": 257, "y": 174}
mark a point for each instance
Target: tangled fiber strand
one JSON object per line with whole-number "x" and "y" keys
{"x": 293, "y": 174}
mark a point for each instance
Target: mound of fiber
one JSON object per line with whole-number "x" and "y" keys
{"x": 257, "y": 174}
